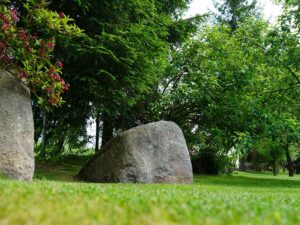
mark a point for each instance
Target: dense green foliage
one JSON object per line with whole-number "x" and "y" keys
{"x": 230, "y": 80}
{"x": 114, "y": 67}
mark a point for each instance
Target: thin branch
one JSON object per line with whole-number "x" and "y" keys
{"x": 173, "y": 79}
{"x": 281, "y": 89}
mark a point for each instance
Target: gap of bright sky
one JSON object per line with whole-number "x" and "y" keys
{"x": 271, "y": 11}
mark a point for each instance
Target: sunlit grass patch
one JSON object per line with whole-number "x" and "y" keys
{"x": 245, "y": 198}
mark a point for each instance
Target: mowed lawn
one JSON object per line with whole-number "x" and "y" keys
{"x": 54, "y": 198}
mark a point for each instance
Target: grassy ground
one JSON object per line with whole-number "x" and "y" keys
{"x": 53, "y": 198}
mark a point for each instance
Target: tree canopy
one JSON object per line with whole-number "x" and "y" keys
{"x": 230, "y": 80}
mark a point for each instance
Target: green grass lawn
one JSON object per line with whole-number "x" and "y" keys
{"x": 54, "y": 198}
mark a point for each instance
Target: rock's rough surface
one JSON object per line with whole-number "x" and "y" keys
{"x": 151, "y": 153}
{"x": 16, "y": 129}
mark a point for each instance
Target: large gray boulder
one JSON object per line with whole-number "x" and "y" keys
{"x": 151, "y": 153}
{"x": 16, "y": 129}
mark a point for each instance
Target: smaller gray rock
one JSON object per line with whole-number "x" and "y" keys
{"x": 151, "y": 153}
{"x": 16, "y": 129}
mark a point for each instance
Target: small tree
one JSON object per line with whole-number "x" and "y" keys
{"x": 272, "y": 151}
{"x": 280, "y": 133}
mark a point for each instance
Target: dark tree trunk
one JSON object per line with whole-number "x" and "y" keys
{"x": 43, "y": 134}
{"x": 290, "y": 166}
{"x": 108, "y": 129}
{"x": 242, "y": 164}
{"x": 60, "y": 145}
{"x": 97, "y": 132}
{"x": 233, "y": 23}
{"x": 275, "y": 168}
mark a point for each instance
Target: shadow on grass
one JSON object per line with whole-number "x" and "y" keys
{"x": 55, "y": 171}
{"x": 63, "y": 169}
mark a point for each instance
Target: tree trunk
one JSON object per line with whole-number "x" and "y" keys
{"x": 43, "y": 145}
{"x": 275, "y": 168}
{"x": 97, "y": 132}
{"x": 233, "y": 23}
{"x": 290, "y": 166}
{"x": 60, "y": 145}
{"x": 242, "y": 163}
{"x": 107, "y": 132}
